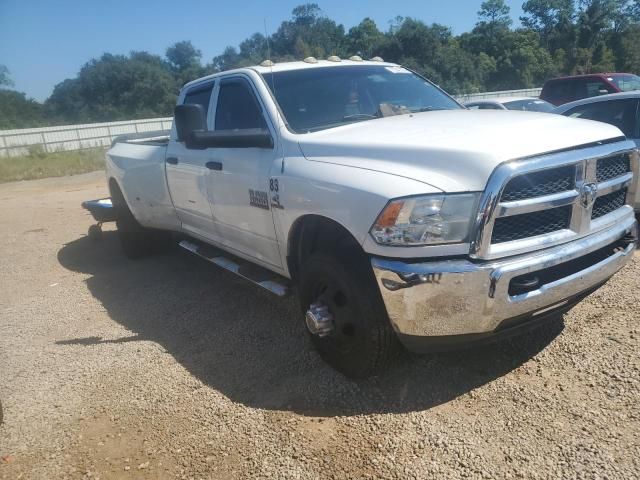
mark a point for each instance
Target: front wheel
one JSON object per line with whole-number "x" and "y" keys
{"x": 345, "y": 315}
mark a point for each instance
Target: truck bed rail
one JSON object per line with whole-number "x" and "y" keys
{"x": 155, "y": 137}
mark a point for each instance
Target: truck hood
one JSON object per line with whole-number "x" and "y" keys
{"x": 453, "y": 150}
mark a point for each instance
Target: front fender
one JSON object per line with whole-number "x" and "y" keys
{"x": 351, "y": 197}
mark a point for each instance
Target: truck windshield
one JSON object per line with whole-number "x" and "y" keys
{"x": 318, "y": 98}
{"x": 626, "y": 83}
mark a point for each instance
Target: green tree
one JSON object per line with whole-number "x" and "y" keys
{"x": 116, "y": 87}
{"x": 558, "y": 37}
{"x": 308, "y": 33}
{"x": 229, "y": 59}
{"x": 633, "y": 10}
{"x": 18, "y": 111}
{"x": 493, "y": 24}
{"x": 365, "y": 39}
{"x": 255, "y": 49}
{"x": 185, "y": 62}
{"x": 628, "y": 55}
{"x": 183, "y": 55}
{"x": 5, "y": 78}
{"x": 553, "y": 20}
{"x": 495, "y": 12}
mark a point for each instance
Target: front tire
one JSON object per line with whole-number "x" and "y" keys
{"x": 361, "y": 340}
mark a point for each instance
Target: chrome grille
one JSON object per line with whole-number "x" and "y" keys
{"x": 517, "y": 227}
{"x": 538, "y": 184}
{"x": 539, "y": 202}
{"x": 608, "y": 203}
{"x": 612, "y": 167}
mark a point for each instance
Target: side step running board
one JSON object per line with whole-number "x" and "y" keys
{"x": 247, "y": 270}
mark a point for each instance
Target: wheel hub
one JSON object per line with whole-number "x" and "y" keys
{"x": 319, "y": 320}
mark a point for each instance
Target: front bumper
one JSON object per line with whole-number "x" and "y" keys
{"x": 452, "y": 299}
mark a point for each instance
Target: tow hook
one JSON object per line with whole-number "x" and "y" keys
{"x": 629, "y": 238}
{"x": 524, "y": 285}
{"x": 319, "y": 320}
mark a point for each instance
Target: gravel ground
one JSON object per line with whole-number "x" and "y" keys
{"x": 171, "y": 368}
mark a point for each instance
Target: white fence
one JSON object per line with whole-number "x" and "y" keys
{"x": 77, "y": 137}
{"x": 74, "y": 137}
{"x": 529, "y": 92}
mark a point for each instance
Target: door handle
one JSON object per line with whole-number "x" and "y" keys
{"x": 214, "y": 165}
{"x": 172, "y": 160}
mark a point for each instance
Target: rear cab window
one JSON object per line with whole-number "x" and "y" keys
{"x": 559, "y": 91}
{"x": 199, "y": 95}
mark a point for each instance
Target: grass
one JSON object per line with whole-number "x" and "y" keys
{"x": 39, "y": 164}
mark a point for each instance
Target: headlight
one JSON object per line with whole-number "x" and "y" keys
{"x": 426, "y": 220}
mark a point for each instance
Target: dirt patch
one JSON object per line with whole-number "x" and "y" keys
{"x": 171, "y": 368}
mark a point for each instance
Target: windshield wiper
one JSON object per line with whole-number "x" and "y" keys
{"x": 355, "y": 117}
{"x": 426, "y": 109}
{"x": 358, "y": 116}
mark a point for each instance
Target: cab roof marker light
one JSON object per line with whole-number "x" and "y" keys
{"x": 377, "y": 59}
{"x": 310, "y": 60}
{"x": 267, "y": 63}
{"x": 355, "y": 58}
{"x": 334, "y": 58}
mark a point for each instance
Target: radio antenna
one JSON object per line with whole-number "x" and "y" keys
{"x": 266, "y": 36}
{"x": 273, "y": 80}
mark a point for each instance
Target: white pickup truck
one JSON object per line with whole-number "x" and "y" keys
{"x": 398, "y": 216}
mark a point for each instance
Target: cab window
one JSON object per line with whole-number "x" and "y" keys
{"x": 237, "y": 108}
{"x": 560, "y": 91}
{"x": 199, "y": 95}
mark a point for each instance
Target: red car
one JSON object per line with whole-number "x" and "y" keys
{"x": 569, "y": 89}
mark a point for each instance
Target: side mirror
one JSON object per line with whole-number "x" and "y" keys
{"x": 189, "y": 118}
{"x": 603, "y": 91}
{"x": 248, "y": 138}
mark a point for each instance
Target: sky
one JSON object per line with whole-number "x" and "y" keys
{"x": 43, "y": 42}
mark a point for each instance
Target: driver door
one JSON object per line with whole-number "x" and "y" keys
{"x": 239, "y": 180}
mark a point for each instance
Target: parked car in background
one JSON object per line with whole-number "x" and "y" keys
{"x": 527, "y": 104}
{"x": 569, "y": 89}
{"x": 619, "y": 109}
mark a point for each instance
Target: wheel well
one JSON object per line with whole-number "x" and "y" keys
{"x": 116, "y": 194}
{"x": 314, "y": 233}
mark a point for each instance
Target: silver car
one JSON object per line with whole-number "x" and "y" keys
{"x": 527, "y": 104}
{"x": 619, "y": 109}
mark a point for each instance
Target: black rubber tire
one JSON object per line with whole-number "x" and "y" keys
{"x": 136, "y": 240}
{"x": 363, "y": 341}
{"x": 95, "y": 233}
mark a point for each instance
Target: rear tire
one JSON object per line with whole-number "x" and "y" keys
{"x": 95, "y": 233}
{"x": 138, "y": 241}
{"x": 362, "y": 341}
